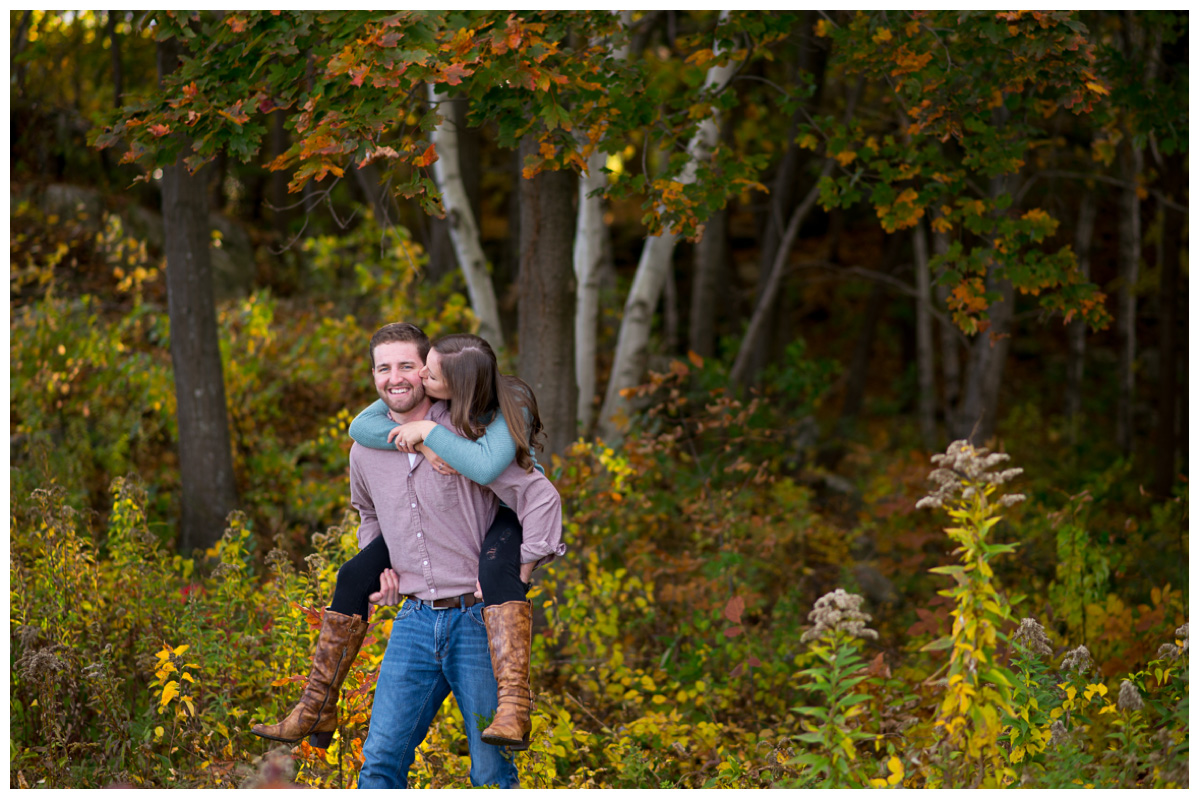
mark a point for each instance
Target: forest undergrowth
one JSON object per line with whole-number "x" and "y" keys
{"x": 737, "y": 608}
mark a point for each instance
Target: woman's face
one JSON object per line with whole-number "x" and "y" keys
{"x": 431, "y": 377}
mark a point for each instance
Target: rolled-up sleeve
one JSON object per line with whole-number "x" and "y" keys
{"x": 539, "y": 508}
{"x": 360, "y": 498}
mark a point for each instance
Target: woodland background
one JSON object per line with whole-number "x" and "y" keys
{"x": 759, "y": 268}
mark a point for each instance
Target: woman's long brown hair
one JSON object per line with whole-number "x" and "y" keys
{"x": 477, "y": 388}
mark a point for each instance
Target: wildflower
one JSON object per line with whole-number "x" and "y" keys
{"x": 1033, "y": 636}
{"x": 41, "y": 664}
{"x": 838, "y": 611}
{"x": 225, "y": 569}
{"x": 1172, "y": 650}
{"x": 961, "y": 468}
{"x": 279, "y": 561}
{"x": 1058, "y": 733}
{"x": 1129, "y": 698}
{"x": 1167, "y": 650}
{"x": 1078, "y": 660}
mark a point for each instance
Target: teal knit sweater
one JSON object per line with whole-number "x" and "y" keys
{"x": 481, "y": 461}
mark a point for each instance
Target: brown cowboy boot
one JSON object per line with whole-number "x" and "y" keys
{"x": 509, "y": 627}
{"x": 315, "y": 715}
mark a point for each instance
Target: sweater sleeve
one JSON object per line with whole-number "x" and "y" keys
{"x": 372, "y": 426}
{"x": 481, "y": 461}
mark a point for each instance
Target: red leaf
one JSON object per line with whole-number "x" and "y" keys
{"x": 734, "y": 609}
{"x": 734, "y": 631}
{"x": 454, "y": 74}
{"x": 425, "y": 159}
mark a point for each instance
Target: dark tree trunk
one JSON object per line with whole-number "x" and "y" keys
{"x": 785, "y": 193}
{"x": 1077, "y": 329}
{"x": 370, "y": 182}
{"x": 278, "y": 193}
{"x": 948, "y": 337}
{"x": 20, "y": 39}
{"x": 546, "y": 312}
{"x": 711, "y": 256}
{"x": 926, "y": 392}
{"x": 205, "y": 460}
{"x": 1129, "y": 231}
{"x": 114, "y": 46}
{"x": 856, "y": 378}
{"x": 1166, "y": 434}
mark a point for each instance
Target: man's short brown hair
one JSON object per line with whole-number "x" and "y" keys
{"x": 400, "y": 332}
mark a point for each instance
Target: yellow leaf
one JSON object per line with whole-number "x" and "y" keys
{"x": 170, "y": 691}
{"x": 845, "y": 157}
{"x": 158, "y": 732}
{"x": 822, "y": 27}
{"x": 881, "y": 36}
{"x": 1096, "y": 87}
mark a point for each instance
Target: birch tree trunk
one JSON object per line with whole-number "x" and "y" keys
{"x": 926, "y": 401}
{"x": 588, "y": 257}
{"x": 630, "y": 358}
{"x": 464, "y": 232}
{"x": 1077, "y": 329}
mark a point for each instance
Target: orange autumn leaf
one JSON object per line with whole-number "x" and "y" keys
{"x": 425, "y": 159}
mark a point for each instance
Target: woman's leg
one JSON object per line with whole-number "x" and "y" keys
{"x": 359, "y": 578}
{"x": 343, "y": 627}
{"x": 500, "y": 560}
{"x": 509, "y": 619}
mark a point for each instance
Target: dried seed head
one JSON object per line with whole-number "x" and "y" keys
{"x": 1032, "y": 636}
{"x": 1182, "y": 633}
{"x": 839, "y": 610}
{"x": 1129, "y": 699}
{"x": 1058, "y": 733}
{"x": 961, "y": 468}
{"x": 1078, "y": 660}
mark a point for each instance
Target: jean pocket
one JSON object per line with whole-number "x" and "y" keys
{"x": 475, "y": 612}
{"x": 407, "y": 607}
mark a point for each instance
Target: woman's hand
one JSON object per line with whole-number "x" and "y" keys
{"x": 527, "y": 571}
{"x": 435, "y": 461}
{"x": 406, "y": 437}
{"x": 389, "y": 589}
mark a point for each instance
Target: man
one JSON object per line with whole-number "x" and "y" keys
{"x": 434, "y": 526}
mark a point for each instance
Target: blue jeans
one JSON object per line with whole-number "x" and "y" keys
{"x": 431, "y": 653}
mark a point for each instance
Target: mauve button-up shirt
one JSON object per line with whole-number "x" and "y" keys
{"x": 434, "y": 524}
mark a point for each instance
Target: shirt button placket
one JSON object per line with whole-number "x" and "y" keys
{"x": 422, "y": 552}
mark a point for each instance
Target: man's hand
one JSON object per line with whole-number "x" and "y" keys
{"x": 406, "y": 437}
{"x": 389, "y": 589}
{"x": 435, "y": 461}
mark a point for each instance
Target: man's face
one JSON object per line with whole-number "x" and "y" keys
{"x": 397, "y": 365}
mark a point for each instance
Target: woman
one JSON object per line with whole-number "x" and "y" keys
{"x": 462, "y": 370}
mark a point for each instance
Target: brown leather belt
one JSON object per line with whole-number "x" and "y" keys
{"x": 458, "y": 601}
